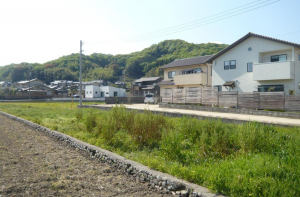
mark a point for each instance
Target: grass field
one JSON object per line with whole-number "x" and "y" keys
{"x": 236, "y": 160}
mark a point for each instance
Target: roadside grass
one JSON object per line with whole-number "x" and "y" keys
{"x": 237, "y": 160}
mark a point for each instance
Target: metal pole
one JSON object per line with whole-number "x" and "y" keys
{"x": 80, "y": 75}
{"x": 29, "y": 73}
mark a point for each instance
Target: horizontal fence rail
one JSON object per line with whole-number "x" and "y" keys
{"x": 246, "y": 100}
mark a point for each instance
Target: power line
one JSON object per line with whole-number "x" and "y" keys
{"x": 184, "y": 24}
{"x": 194, "y": 26}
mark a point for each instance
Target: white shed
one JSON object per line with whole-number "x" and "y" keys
{"x": 92, "y": 91}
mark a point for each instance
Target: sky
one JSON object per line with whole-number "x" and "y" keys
{"x": 40, "y": 31}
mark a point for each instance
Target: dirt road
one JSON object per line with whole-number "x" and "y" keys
{"x": 32, "y": 164}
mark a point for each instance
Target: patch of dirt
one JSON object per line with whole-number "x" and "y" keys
{"x": 33, "y": 164}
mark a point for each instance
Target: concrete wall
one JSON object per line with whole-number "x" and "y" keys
{"x": 261, "y": 51}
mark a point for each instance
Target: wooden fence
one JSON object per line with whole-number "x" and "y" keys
{"x": 247, "y": 100}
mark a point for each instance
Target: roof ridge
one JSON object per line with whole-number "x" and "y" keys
{"x": 246, "y": 37}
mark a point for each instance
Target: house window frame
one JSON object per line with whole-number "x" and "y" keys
{"x": 226, "y": 67}
{"x": 278, "y": 58}
{"x": 171, "y": 74}
{"x": 267, "y": 87}
{"x": 231, "y": 65}
{"x": 115, "y": 93}
{"x": 248, "y": 70}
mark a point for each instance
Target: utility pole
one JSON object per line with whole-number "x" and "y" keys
{"x": 29, "y": 74}
{"x": 80, "y": 75}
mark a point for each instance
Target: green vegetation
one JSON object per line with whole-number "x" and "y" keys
{"x": 236, "y": 160}
{"x": 109, "y": 67}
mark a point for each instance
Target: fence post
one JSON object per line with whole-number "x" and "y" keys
{"x": 237, "y": 99}
{"x": 283, "y": 101}
{"x": 201, "y": 95}
{"x": 218, "y": 94}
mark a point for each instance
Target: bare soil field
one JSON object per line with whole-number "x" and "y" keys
{"x": 33, "y": 164}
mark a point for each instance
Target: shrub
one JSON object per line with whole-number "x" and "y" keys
{"x": 90, "y": 121}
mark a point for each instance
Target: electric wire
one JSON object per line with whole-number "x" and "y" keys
{"x": 195, "y": 26}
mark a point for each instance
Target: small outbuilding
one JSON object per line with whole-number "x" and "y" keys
{"x": 92, "y": 91}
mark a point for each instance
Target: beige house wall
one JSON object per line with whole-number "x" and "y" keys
{"x": 191, "y": 79}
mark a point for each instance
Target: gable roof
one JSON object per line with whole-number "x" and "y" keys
{"x": 246, "y": 37}
{"x": 147, "y": 79}
{"x": 187, "y": 61}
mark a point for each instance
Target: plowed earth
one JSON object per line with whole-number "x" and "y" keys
{"x": 33, "y": 164}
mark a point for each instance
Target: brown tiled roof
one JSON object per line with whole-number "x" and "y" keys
{"x": 187, "y": 62}
{"x": 243, "y": 39}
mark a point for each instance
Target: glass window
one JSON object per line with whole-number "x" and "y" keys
{"x": 115, "y": 93}
{"x": 250, "y": 67}
{"x": 171, "y": 74}
{"x": 232, "y": 64}
{"x": 279, "y": 58}
{"x": 226, "y": 65}
{"x": 282, "y": 58}
{"x": 270, "y": 88}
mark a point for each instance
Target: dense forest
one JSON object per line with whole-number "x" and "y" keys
{"x": 109, "y": 67}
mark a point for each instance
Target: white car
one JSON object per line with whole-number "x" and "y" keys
{"x": 150, "y": 98}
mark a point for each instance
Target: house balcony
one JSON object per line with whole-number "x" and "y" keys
{"x": 189, "y": 79}
{"x": 273, "y": 71}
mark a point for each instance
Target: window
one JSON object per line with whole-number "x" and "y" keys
{"x": 196, "y": 70}
{"x": 226, "y": 65}
{"x": 229, "y": 64}
{"x": 270, "y": 88}
{"x": 171, "y": 74}
{"x": 250, "y": 67}
{"x": 115, "y": 94}
{"x": 96, "y": 92}
{"x": 102, "y": 94}
{"x": 232, "y": 64}
{"x": 219, "y": 88}
{"x": 278, "y": 58}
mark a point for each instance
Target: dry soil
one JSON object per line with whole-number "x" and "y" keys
{"x": 33, "y": 164}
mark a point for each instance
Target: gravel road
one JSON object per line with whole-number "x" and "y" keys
{"x": 33, "y": 164}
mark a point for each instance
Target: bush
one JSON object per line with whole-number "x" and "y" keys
{"x": 90, "y": 121}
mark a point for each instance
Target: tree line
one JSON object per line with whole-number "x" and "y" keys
{"x": 109, "y": 67}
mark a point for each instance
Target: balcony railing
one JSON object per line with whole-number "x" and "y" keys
{"x": 273, "y": 71}
{"x": 190, "y": 79}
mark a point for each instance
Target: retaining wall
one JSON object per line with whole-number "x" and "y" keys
{"x": 233, "y": 110}
{"x": 142, "y": 173}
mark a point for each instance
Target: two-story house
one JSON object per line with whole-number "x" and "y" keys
{"x": 187, "y": 73}
{"x": 146, "y": 85}
{"x": 257, "y": 63}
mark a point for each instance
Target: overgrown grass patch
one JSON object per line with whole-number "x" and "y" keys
{"x": 237, "y": 160}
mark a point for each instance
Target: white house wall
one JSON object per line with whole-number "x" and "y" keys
{"x": 262, "y": 49}
{"x": 92, "y": 91}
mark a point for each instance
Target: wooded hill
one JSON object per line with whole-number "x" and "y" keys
{"x": 109, "y": 67}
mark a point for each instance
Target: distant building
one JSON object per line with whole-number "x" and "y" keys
{"x": 5, "y": 84}
{"x": 95, "y": 83}
{"x": 146, "y": 85}
{"x": 27, "y": 84}
{"x": 92, "y": 91}
{"x": 120, "y": 84}
{"x": 61, "y": 83}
